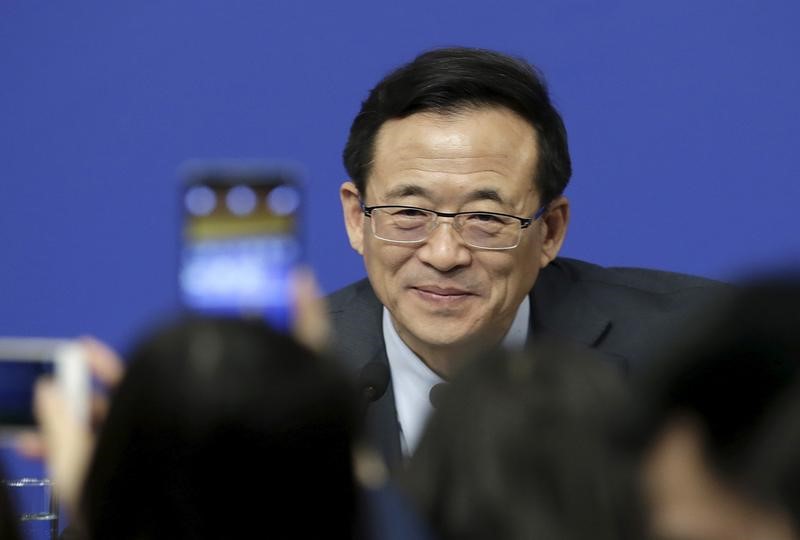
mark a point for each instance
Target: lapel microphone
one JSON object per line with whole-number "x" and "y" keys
{"x": 373, "y": 380}
{"x": 436, "y": 394}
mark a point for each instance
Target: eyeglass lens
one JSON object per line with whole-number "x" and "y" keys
{"x": 477, "y": 229}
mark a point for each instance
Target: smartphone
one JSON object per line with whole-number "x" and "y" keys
{"x": 240, "y": 240}
{"x": 22, "y": 362}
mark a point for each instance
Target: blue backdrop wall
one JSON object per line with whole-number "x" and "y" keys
{"x": 683, "y": 118}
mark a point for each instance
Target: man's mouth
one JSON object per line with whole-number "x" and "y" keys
{"x": 441, "y": 294}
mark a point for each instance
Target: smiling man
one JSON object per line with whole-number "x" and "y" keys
{"x": 453, "y": 282}
{"x": 458, "y": 162}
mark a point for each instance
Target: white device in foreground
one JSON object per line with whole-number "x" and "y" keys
{"x": 23, "y": 361}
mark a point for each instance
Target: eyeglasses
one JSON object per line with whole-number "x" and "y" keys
{"x": 484, "y": 230}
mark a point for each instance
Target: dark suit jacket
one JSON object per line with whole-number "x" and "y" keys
{"x": 617, "y": 311}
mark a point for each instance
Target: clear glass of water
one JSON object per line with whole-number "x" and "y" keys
{"x": 36, "y": 506}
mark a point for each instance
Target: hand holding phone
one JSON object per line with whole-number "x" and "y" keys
{"x": 23, "y": 361}
{"x": 63, "y": 434}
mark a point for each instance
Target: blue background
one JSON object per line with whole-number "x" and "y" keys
{"x": 683, "y": 118}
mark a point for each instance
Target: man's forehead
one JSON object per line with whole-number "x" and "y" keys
{"x": 471, "y": 193}
{"x": 495, "y": 131}
{"x": 414, "y": 156}
{"x": 493, "y": 149}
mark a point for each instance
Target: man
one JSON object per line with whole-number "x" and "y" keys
{"x": 458, "y": 163}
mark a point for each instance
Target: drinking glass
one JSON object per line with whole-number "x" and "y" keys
{"x": 36, "y": 506}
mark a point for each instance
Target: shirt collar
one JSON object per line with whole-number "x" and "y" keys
{"x": 412, "y": 379}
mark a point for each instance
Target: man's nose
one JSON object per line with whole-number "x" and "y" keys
{"x": 445, "y": 249}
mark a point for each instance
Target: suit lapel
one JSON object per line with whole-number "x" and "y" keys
{"x": 561, "y": 307}
{"x": 359, "y": 340}
{"x": 382, "y": 423}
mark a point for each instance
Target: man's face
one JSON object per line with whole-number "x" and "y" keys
{"x": 444, "y": 295}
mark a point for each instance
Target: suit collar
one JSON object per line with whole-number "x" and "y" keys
{"x": 381, "y": 421}
{"x": 561, "y": 307}
{"x": 357, "y": 319}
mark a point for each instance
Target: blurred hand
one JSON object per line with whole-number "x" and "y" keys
{"x": 63, "y": 441}
{"x": 311, "y": 324}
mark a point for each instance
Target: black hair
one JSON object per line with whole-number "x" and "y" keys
{"x": 451, "y": 80}
{"x": 524, "y": 445}
{"x": 224, "y": 429}
{"x": 736, "y": 374}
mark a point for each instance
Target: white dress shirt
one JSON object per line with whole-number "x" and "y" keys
{"x": 412, "y": 379}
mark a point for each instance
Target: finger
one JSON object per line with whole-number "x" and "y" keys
{"x": 311, "y": 324}
{"x": 67, "y": 442}
{"x": 98, "y": 409}
{"x": 104, "y": 363}
{"x": 50, "y": 408}
{"x": 30, "y": 445}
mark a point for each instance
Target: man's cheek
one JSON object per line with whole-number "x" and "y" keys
{"x": 390, "y": 257}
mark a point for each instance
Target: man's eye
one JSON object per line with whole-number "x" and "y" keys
{"x": 486, "y": 218}
{"x": 408, "y": 213}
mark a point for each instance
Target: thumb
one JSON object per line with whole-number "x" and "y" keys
{"x": 67, "y": 441}
{"x": 311, "y": 324}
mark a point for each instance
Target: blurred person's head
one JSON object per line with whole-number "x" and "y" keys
{"x": 224, "y": 429}
{"x": 722, "y": 422}
{"x": 525, "y": 445}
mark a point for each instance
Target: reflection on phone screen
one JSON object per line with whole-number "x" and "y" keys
{"x": 239, "y": 247}
{"x": 17, "y": 379}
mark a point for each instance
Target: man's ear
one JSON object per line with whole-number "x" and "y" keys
{"x": 554, "y": 229}
{"x": 353, "y": 215}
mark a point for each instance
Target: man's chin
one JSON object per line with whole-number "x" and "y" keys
{"x": 438, "y": 332}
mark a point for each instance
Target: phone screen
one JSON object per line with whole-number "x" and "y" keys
{"x": 17, "y": 379}
{"x": 240, "y": 244}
